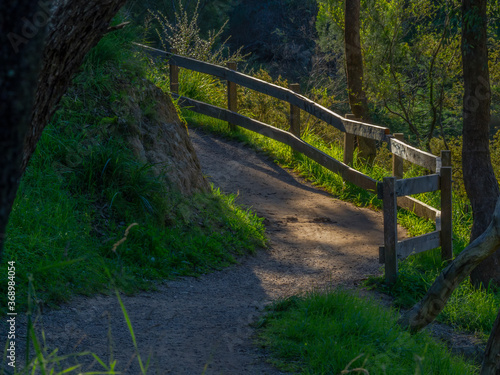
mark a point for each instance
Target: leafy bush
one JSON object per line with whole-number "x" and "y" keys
{"x": 184, "y": 36}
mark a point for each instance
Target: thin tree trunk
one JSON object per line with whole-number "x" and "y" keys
{"x": 354, "y": 69}
{"x": 23, "y": 25}
{"x": 479, "y": 178}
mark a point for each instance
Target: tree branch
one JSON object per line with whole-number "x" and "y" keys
{"x": 117, "y": 27}
{"x": 425, "y": 311}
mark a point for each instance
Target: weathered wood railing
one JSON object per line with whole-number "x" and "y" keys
{"x": 394, "y": 191}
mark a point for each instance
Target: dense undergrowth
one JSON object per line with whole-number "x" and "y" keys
{"x": 83, "y": 188}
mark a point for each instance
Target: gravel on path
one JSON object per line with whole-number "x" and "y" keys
{"x": 202, "y": 325}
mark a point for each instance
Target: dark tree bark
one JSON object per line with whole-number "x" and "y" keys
{"x": 491, "y": 360}
{"x": 76, "y": 27}
{"x": 354, "y": 69}
{"x": 35, "y": 72}
{"x": 479, "y": 178}
{"x": 23, "y": 25}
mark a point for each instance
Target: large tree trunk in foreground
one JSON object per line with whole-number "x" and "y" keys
{"x": 76, "y": 27}
{"x": 354, "y": 68}
{"x": 479, "y": 178}
{"x": 21, "y": 46}
{"x": 425, "y": 311}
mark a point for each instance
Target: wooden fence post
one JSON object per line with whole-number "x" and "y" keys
{"x": 446, "y": 233}
{"x": 397, "y": 161}
{"x": 174, "y": 75}
{"x": 295, "y": 113}
{"x": 349, "y": 143}
{"x": 446, "y": 158}
{"x": 390, "y": 230}
{"x": 232, "y": 96}
{"x": 295, "y": 117}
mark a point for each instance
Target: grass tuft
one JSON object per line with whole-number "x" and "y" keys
{"x": 339, "y": 333}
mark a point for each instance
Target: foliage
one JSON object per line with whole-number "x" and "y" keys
{"x": 263, "y": 107}
{"x": 185, "y": 38}
{"x": 412, "y": 61}
{"x": 338, "y": 333}
{"x": 212, "y": 13}
{"x": 469, "y": 309}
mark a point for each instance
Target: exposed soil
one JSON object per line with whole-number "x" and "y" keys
{"x": 196, "y": 324}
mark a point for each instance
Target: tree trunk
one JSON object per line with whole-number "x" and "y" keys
{"x": 28, "y": 64}
{"x": 491, "y": 360}
{"x": 23, "y": 25}
{"x": 425, "y": 311}
{"x": 354, "y": 68}
{"x": 479, "y": 178}
{"x": 76, "y": 27}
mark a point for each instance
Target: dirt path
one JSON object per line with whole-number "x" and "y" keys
{"x": 191, "y": 324}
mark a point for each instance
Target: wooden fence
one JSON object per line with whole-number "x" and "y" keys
{"x": 394, "y": 191}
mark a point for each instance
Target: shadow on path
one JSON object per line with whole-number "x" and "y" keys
{"x": 196, "y": 324}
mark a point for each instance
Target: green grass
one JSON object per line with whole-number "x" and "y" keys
{"x": 327, "y": 333}
{"x": 469, "y": 309}
{"x": 83, "y": 188}
{"x": 66, "y": 219}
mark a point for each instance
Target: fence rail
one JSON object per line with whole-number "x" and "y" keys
{"x": 414, "y": 155}
{"x": 394, "y": 191}
{"x": 351, "y": 126}
{"x": 348, "y": 173}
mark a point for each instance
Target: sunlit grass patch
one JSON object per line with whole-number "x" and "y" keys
{"x": 326, "y": 333}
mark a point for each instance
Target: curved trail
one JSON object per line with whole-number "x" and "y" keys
{"x": 196, "y": 323}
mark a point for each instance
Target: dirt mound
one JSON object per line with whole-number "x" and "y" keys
{"x": 157, "y": 136}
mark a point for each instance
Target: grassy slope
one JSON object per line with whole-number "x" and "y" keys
{"x": 82, "y": 190}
